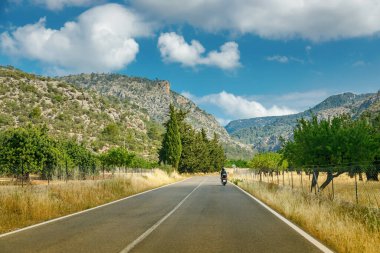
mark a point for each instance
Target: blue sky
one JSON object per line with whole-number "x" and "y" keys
{"x": 236, "y": 59}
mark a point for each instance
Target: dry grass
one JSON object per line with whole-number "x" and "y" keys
{"x": 344, "y": 186}
{"x": 20, "y": 207}
{"x": 342, "y": 226}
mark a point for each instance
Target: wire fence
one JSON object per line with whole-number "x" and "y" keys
{"x": 75, "y": 174}
{"x": 347, "y": 187}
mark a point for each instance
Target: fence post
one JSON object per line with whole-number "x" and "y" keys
{"x": 301, "y": 181}
{"x": 356, "y": 190}
{"x": 66, "y": 170}
{"x": 291, "y": 175}
{"x": 278, "y": 180}
{"x": 332, "y": 187}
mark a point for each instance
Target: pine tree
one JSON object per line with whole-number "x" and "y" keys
{"x": 171, "y": 149}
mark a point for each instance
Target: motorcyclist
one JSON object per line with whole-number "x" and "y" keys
{"x": 223, "y": 172}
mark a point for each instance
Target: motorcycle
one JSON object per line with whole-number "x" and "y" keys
{"x": 224, "y": 179}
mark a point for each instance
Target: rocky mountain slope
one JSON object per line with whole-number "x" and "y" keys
{"x": 69, "y": 111}
{"x": 264, "y": 132}
{"x": 154, "y": 97}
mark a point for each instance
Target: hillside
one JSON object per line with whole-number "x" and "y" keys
{"x": 264, "y": 132}
{"x": 69, "y": 111}
{"x": 154, "y": 97}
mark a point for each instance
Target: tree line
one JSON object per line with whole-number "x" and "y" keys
{"x": 334, "y": 146}
{"x": 31, "y": 150}
{"x": 189, "y": 150}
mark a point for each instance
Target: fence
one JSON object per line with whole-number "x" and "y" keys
{"x": 75, "y": 174}
{"x": 344, "y": 188}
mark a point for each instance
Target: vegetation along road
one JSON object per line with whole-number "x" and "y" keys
{"x": 195, "y": 215}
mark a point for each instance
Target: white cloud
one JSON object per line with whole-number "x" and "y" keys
{"x": 239, "y": 107}
{"x": 276, "y": 19}
{"x": 278, "y": 58}
{"x": 284, "y": 59}
{"x": 60, "y": 4}
{"x": 299, "y": 101}
{"x": 222, "y": 121}
{"x": 102, "y": 39}
{"x": 174, "y": 48}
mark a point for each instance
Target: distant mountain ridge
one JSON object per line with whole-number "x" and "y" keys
{"x": 264, "y": 132}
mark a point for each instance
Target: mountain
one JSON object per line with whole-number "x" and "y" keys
{"x": 265, "y": 132}
{"x": 102, "y": 110}
{"x": 69, "y": 111}
{"x": 154, "y": 98}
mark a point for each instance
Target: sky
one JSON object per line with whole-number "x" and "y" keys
{"x": 236, "y": 59}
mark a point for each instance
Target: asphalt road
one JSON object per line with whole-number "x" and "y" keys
{"x": 196, "y": 215}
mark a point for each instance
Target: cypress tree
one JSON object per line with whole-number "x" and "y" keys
{"x": 171, "y": 149}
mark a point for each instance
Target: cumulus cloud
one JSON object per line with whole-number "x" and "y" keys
{"x": 102, "y": 39}
{"x": 174, "y": 48}
{"x": 238, "y": 107}
{"x": 60, "y": 4}
{"x": 298, "y": 101}
{"x": 311, "y": 19}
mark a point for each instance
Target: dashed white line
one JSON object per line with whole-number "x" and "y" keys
{"x": 158, "y": 223}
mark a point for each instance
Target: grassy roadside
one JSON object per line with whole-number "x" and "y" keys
{"x": 341, "y": 226}
{"x": 21, "y": 207}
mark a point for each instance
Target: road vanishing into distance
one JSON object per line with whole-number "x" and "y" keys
{"x": 195, "y": 215}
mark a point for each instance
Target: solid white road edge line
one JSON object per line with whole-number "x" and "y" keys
{"x": 308, "y": 237}
{"x": 158, "y": 223}
{"x": 88, "y": 210}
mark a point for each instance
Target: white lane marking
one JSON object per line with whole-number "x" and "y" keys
{"x": 152, "y": 228}
{"x": 308, "y": 237}
{"x": 88, "y": 210}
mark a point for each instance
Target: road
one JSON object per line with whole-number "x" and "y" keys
{"x": 196, "y": 215}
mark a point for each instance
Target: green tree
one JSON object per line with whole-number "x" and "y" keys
{"x": 26, "y": 150}
{"x": 81, "y": 157}
{"x": 334, "y": 146}
{"x": 171, "y": 149}
{"x": 217, "y": 155}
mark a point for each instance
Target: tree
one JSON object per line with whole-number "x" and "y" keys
{"x": 119, "y": 157}
{"x": 171, "y": 149}
{"x": 81, "y": 157}
{"x": 217, "y": 155}
{"x": 334, "y": 146}
{"x": 26, "y": 150}
{"x": 188, "y": 159}
{"x": 268, "y": 162}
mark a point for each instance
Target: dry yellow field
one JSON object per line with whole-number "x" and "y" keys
{"x": 368, "y": 192}
{"x": 20, "y": 207}
{"x": 338, "y": 222}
